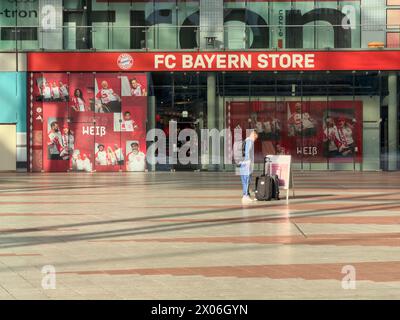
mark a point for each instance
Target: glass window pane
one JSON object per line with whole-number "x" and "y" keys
{"x": 393, "y": 18}
{"x": 393, "y": 2}
{"x": 393, "y": 40}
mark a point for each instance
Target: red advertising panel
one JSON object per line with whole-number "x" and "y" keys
{"x": 310, "y": 131}
{"x": 215, "y": 61}
{"x": 98, "y": 123}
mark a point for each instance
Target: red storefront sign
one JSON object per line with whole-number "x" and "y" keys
{"x": 214, "y": 61}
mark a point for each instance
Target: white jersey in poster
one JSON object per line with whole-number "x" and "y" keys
{"x": 101, "y": 158}
{"x": 79, "y": 164}
{"x": 136, "y": 162}
{"x": 267, "y": 127}
{"x": 56, "y": 92}
{"x": 295, "y": 120}
{"x": 307, "y": 121}
{"x": 119, "y": 154}
{"x": 137, "y": 92}
{"x": 79, "y": 104}
{"x": 346, "y": 136}
{"x": 64, "y": 91}
{"x": 332, "y": 135}
{"x": 47, "y": 92}
{"x": 112, "y": 159}
{"x": 259, "y": 127}
{"x": 301, "y": 121}
{"x": 55, "y": 143}
{"x": 68, "y": 141}
{"x": 127, "y": 125}
{"x": 87, "y": 165}
{"x": 106, "y": 95}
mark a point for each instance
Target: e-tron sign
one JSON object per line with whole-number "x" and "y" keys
{"x": 215, "y": 61}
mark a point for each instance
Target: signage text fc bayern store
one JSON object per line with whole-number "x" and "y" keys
{"x": 330, "y": 110}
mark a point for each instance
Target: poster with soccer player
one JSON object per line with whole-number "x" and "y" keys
{"x": 304, "y": 130}
{"x": 51, "y": 87}
{"x": 135, "y": 157}
{"x": 342, "y": 131}
{"x": 82, "y": 155}
{"x": 81, "y": 92}
{"x": 310, "y": 131}
{"x": 267, "y": 118}
{"x": 76, "y": 136}
{"x": 134, "y": 85}
{"x": 56, "y": 139}
{"x": 132, "y": 120}
{"x": 107, "y": 93}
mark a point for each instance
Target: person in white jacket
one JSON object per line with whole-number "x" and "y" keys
{"x": 136, "y": 160}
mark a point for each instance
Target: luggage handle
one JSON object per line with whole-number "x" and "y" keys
{"x": 267, "y": 159}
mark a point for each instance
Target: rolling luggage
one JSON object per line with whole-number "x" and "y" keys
{"x": 267, "y": 185}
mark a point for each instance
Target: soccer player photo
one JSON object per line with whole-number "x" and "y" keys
{"x": 136, "y": 159}
{"x": 134, "y": 85}
{"x": 101, "y": 158}
{"x": 342, "y": 132}
{"x": 119, "y": 154}
{"x": 300, "y": 123}
{"x": 78, "y": 103}
{"x": 68, "y": 141}
{"x": 51, "y": 87}
{"x": 107, "y": 99}
{"x": 54, "y": 144}
{"x": 81, "y": 162}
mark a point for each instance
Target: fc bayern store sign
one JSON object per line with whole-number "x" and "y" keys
{"x": 214, "y": 61}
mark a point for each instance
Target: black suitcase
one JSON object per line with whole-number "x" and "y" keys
{"x": 267, "y": 185}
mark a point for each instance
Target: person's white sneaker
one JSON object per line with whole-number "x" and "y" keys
{"x": 246, "y": 199}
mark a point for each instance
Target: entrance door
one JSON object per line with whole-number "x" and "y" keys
{"x": 181, "y": 97}
{"x": 8, "y": 147}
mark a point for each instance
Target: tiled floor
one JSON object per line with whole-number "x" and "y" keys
{"x": 188, "y": 236}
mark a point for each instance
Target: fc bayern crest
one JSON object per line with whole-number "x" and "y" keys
{"x": 125, "y": 61}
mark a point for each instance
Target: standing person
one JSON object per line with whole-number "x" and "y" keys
{"x": 331, "y": 138}
{"x": 128, "y": 124}
{"x": 68, "y": 142}
{"x": 64, "y": 91}
{"x": 345, "y": 133}
{"x": 136, "y": 160}
{"x": 119, "y": 155}
{"x": 101, "y": 156}
{"x": 46, "y": 92}
{"x": 54, "y": 145}
{"x": 55, "y": 90}
{"x": 109, "y": 98}
{"x": 295, "y": 121}
{"x": 86, "y": 163}
{"x": 78, "y": 101}
{"x": 136, "y": 88}
{"x": 246, "y": 166}
{"x": 111, "y": 158}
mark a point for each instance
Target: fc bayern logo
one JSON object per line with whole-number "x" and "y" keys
{"x": 125, "y": 61}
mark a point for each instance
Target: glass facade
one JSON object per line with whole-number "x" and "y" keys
{"x": 322, "y": 119}
{"x": 327, "y": 120}
{"x": 175, "y": 25}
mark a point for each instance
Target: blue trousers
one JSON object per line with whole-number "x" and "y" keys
{"x": 246, "y": 184}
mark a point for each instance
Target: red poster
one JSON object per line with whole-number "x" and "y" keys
{"x": 97, "y": 124}
{"x": 310, "y": 131}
